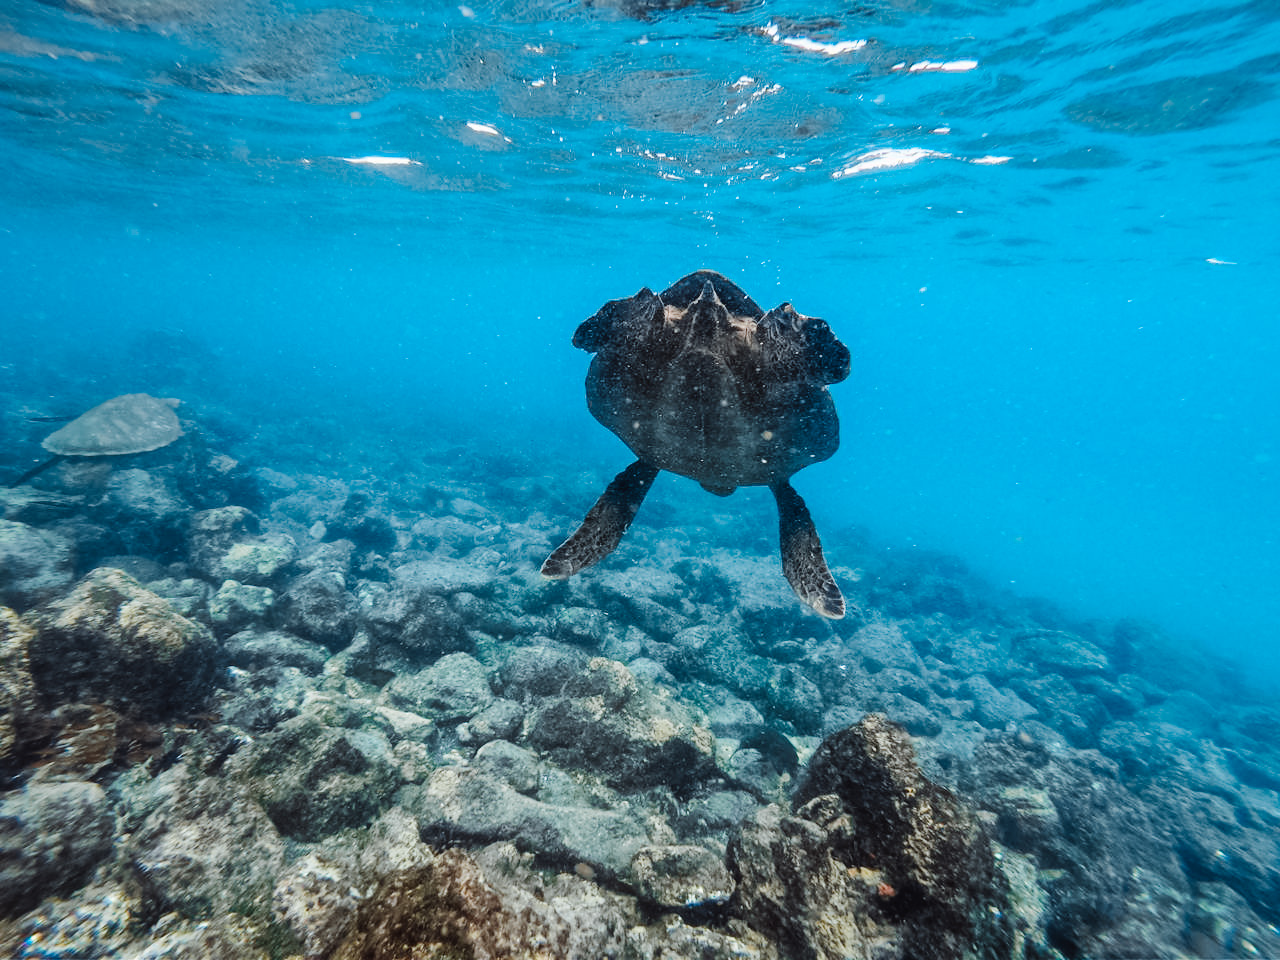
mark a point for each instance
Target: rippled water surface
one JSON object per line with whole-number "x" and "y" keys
{"x": 1046, "y": 230}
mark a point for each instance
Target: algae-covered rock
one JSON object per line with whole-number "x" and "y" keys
{"x": 35, "y": 565}
{"x": 207, "y": 848}
{"x": 257, "y": 648}
{"x": 236, "y": 605}
{"x": 318, "y": 607}
{"x": 453, "y": 688}
{"x": 633, "y": 737}
{"x": 17, "y": 689}
{"x": 469, "y": 803}
{"x": 932, "y": 850}
{"x": 51, "y": 836}
{"x": 225, "y": 544}
{"x": 317, "y": 901}
{"x": 680, "y": 875}
{"x": 791, "y": 889}
{"x": 485, "y": 905}
{"x": 313, "y": 779}
{"x": 111, "y": 640}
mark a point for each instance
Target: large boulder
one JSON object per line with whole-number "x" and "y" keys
{"x": 207, "y": 847}
{"x": 473, "y": 804}
{"x": 52, "y": 835}
{"x": 314, "y": 780}
{"x": 225, "y": 544}
{"x": 878, "y": 861}
{"x": 631, "y": 735}
{"x": 113, "y": 641}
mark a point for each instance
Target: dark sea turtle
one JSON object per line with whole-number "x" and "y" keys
{"x": 132, "y": 423}
{"x": 700, "y": 381}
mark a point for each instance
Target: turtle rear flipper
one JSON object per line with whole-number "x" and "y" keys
{"x": 604, "y": 524}
{"x": 803, "y": 564}
{"x": 36, "y": 471}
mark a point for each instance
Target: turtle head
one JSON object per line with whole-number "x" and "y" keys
{"x": 706, "y": 318}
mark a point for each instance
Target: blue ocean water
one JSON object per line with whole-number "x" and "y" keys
{"x": 1046, "y": 231}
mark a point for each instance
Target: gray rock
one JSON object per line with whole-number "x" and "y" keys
{"x": 224, "y": 544}
{"x": 680, "y": 876}
{"x": 515, "y": 766}
{"x": 1077, "y": 716}
{"x": 441, "y": 575}
{"x": 207, "y": 848}
{"x": 418, "y": 619}
{"x": 313, "y": 780}
{"x": 654, "y": 618}
{"x": 1213, "y": 843}
{"x": 975, "y": 652}
{"x": 795, "y": 698}
{"x": 490, "y": 616}
{"x": 994, "y": 707}
{"x": 260, "y": 701}
{"x": 713, "y": 813}
{"x": 753, "y": 770}
{"x": 730, "y": 716}
{"x": 188, "y": 596}
{"x": 915, "y": 717}
{"x": 1096, "y": 834}
{"x": 35, "y": 565}
{"x": 27, "y": 504}
{"x": 52, "y": 835}
{"x": 1061, "y": 652}
{"x": 882, "y": 645}
{"x": 145, "y": 510}
{"x": 454, "y": 688}
{"x": 729, "y": 664}
{"x": 1222, "y": 925}
{"x": 633, "y": 738}
{"x": 538, "y": 671}
{"x": 1184, "y": 709}
{"x": 236, "y": 605}
{"x": 500, "y": 720}
{"x": 318, "y": 607}
{"x": 767, "y": 611}
{"x": 466, "y": 803}
{"x": 586, "y": 627}
{"x": 257, "y": 648}
{"x": 113, "y": 641}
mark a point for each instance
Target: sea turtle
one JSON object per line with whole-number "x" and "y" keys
{"x": 700, "y": 381}
{"x": 132, "y": 423}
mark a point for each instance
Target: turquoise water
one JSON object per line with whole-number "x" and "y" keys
{"x": 1046, "y": 231}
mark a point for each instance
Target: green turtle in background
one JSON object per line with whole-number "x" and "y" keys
{"x": 700, "y": 381}
{"x": 132, "y": 423}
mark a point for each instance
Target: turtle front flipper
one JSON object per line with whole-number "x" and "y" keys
{"x": 604, "y": 524}
{"x": 802, "y": 561}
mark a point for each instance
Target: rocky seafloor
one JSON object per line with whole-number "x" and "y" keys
{"x": 260, "y": 703}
